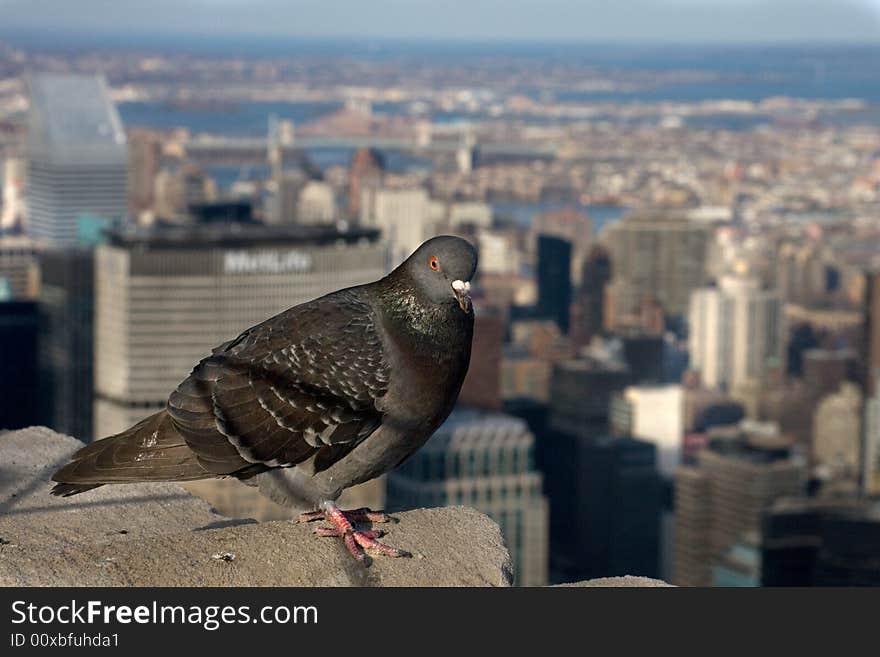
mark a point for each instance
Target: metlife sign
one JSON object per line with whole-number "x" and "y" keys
{"x": 266, "y": 262}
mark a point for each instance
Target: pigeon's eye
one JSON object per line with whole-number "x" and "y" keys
{"x": 434, "y": 264}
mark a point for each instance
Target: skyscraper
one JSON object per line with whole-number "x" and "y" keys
{"x": 721, "y": 498}
{"x": 482, "y": 386}
{"x": 406, "y": 217}
{"x": 616, "y": 519}
{"x": 165, "y": 296}
{"x": 67, "y": 300}
{"x": 19, "y": 389}
{"x": 367, "y": 168}
{"x": 656, "y": 256}
{"x": 574, "y": 227}
{"x": 19, "y": 271}
{"x": 735, "y": 332}
{"x": 554, "y": 280}
{"x": 76, "y": 156}
{"x": 483, "y": 460}
{"x": 588, "y": 319}
{"x": 821, "y": 542}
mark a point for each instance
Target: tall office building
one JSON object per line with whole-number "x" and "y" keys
{"x": 406, "y": 217}
{"x": 367, "y": 169}
{"x": 483, "y": 460}
{"x": 316, "y": 203}
{"x": 67, "y": 299}
{"x": 165, "y": 296}
{"x": 554, "y": 280}
{"x": 655, "y": 256}
{"x": 654, "y": 414}
{"x": 588, "y": 311}
{"x": 76, "y": 156}
{"x": 12, "y": 205}
{"x": 19, "y": 389}
{"x": 870, "y": 456}
{"x": 19, "y": 270}
{"x": 482, "y": 385}
{"x": 837, "y": 438}
{"x": 821, "y": 542}
{"x": 572, "y": 226}
{"x": 723, "y": 497}
{"x": 144, "y": 156}
{"x": 736, "y": 333}
{"x": 581, "y": 392}
{"x": 617, "y": 509}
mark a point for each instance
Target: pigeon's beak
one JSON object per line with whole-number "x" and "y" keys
{"x": 462, "y": 292}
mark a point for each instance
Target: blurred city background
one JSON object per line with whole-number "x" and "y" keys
{"x": 677, "y": 211}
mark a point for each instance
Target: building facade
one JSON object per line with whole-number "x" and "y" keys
{"x": 76, "y": 155}
{"x": 736, "y": 333}
{"x": 165, "y": 297}
{"x": 655, "y": 256}
{"x": 483, "y": 460}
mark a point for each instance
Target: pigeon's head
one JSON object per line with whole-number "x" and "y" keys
{"x": 442, "y": 269}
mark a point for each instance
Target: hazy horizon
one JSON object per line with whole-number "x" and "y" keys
{"x": 563, "y": 22}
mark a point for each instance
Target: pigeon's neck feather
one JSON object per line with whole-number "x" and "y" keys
{"x": 430, "y": 325}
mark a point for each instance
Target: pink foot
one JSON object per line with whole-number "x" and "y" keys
{"x": 357, "y": 541}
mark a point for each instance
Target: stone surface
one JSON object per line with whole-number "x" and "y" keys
{"x": 160, "y": 535}
{"x": 626, "y": 581}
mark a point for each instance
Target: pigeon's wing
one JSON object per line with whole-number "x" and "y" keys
{"x": 304, "y": 381}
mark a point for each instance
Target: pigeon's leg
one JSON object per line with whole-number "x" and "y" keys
{"x": 353, "y": 515}
{"x": 357, "y": 541}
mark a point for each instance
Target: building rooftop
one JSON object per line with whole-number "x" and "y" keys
{"x": 73, "y": 121}
{"x": 234, "y": 235}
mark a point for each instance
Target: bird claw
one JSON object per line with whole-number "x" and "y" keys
{"x": 358, "y": 542}
{"x": 363, "y": 514}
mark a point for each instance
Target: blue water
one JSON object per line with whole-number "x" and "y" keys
{"x": 524, "y": 213}
{"x": 239, "y": 120}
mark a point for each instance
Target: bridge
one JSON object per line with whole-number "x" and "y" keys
{"x": 256, "y": 149}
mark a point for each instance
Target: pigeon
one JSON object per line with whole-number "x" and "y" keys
{"x": 323, "y": 396}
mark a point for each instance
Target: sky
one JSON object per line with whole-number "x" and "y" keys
{"x": 602, "y": 21}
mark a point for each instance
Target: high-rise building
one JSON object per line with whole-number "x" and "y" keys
{"x": 654, "y": 414}
{"x": 655, "y": 256}
{"x": 821, "y": 542}
{"x": 484, "y": 461}
{"x": 367, "y": 169}
{"x": 19, "y": 270}
{"x": 870, "y": 456}
{"x": 76, "y": 156}
{"x": 67, "y": 300}
{"x": 735, "y": 333}
{"x": 482, "y": 385}
{"x": 406, "y": 217}
{"x": 19, "y": 370}
{"x": 588, "y": 318}
{"x": 837, "y": 438}
{"x": 165, "y": 296}
{"x": 580, "y": 395}
{"x": 870, "y": 351}
{"x": 723, "y": 497}
{"x": 144, "y": 155}
{"x": 554, "y": 280}
{"x": 12, "y": 204}
{"x": 572, "y": 226}
{"x": 617, "y": 509}
{"x": 316, "y": 203}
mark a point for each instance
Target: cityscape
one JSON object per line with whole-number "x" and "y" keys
{"x": 676, "y": 361}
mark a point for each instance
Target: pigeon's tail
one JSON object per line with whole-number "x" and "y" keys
{"x": 66, "y": 490}
{"x": 151, "y": 450}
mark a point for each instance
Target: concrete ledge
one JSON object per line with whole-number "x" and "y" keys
{"x": 160, "y": 535}
{"x": 626, "y": 581}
